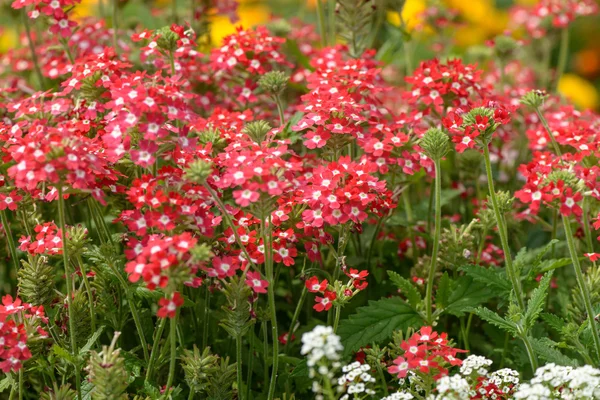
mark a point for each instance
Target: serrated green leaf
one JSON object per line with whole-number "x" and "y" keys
{"x": 553, "y": 321}
{"x": 63, "y": 354}
{"x": 545, "y": 349}
{"x": 466, "y": 294}
{"x": 537, "y": 300}
{"x": 406, "y": 287}
{"x": 549, "y": 265}
{"x": 376, "y": 322}
{"x": 88, "y": 345}
{"x": 6, "y": 383}
{"x": 489, "y": 276}
{"x": 443, "y": 292}
{"x": 494, "y": 319}
{"x": 300, "y": 370}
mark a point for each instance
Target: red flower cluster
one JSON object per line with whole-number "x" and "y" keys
{"x": 426, "y": 352}
{"x": 18, "y": 322}
{"x": 551, "y": 13}
{"x": 48, "y": 240}
{"x": 330, "y": 292}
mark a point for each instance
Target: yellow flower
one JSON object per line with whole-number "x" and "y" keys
{"x": 580, "y": 91}
{"x": 411, "y": 13}
{"x": 86, "y": 8}
{"x": 249, "y": 17}
{"x": 8, "y": 39}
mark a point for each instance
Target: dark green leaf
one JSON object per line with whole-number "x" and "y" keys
{"x": 555, "y": 322}
{"x": 489, "y": 276}
{"x": 443, "y": 292}
{"x": 88, "y": 346}
{"x": 300, "y": 370}
{"x": 495, "y": 319}
{"x": 545, "y": 349}
{"x": 376, "y": 322}
{"x": 406, "y": 287}
{"x": 63, "y": 354}
{"x": 537, "y": 300}
{"x": 465, "y": 295}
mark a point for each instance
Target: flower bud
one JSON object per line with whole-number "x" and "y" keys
{"x": 167, "y": 39}
{"x": 435, "y": 143}
{"x": 257, "y": 130}
{"x": 107, "y": 372}
{"x": 273, "y": 82}
{"x": 504, "y": 45}
{"x": 505, "y": 201}
{"x": 199, "y": 368}
{"x": 201, "y": 253}
{"x": 198, "y": 171}
{"x": 534, "y": 98}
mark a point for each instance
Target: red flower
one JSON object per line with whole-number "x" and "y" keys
{"x": 10, "y": 200}
{"x": 324, "y": 303}
{"x": 168, "y": 307}
{"x": 313, "y": 285}
{"x": 258, "y": 285}
{"x": 400, "y": 367}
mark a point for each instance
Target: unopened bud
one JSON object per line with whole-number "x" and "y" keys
{"x": 534, "y": 98}
{"x": 257, "y": 130}
{"x": 198, "y": 171}
{"x": 273, "y": 82}
{"x": 435, "y": 143}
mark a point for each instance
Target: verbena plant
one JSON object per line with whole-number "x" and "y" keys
{"x": 297, "y": 212}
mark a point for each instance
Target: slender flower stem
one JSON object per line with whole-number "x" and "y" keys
{"x": 336, "y": 320}
{"x": 36, "y": 64}
{"x": 21, "y": 390}
{"x": 548, "y": 131}
{"x": 173, "y": 337}
{"x": 410, "y": 220}
{"x": 88, "y": 289}
{"x": 155, "y": 350}
{"x": 238, "y": 362}
{"x": 206, "y": 317}
{"x": 585, "y": 293}
{"x": 115, "y": 25}
{"x": 562, "y": 56}
{"x": 382, "y": 377}
{"x": 331, "y": 22}
{"x": 65, "y": 254}
{"x": 436, "y": 241}
{"x": 502, "y": 232}
{"x": 280, "y": 110}
{"x": 295, "y": 317}
{"x": 250, "y": 363}
{"x": 530, "y": 352}
{"x": 586, "y": 225}
{"x": 11, "y": 241}
{"x": 272, "y": 308}
{"x": 134, "y": 311}
{"x": 321, "y": 18}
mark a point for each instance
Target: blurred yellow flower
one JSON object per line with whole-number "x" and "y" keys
{"x": 8, "y": 39}
{"x": 580, "y": 91}
{"x": 411, "y": 13}
{"x": 249, "y": 16}
{"x": 85, "y": 9}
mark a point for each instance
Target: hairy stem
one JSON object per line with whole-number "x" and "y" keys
{"x": 583, "y": 288}
{"x": 173, "y": 355}
{"x": 436, "y": 241}
{"x": 11, "y": 241}
{"x": 155, "y": 350}
{"x": 65, "y": 254}
{"x": 238, "y": 362}
{"x": 562, "y": 56}
{"x": 36, "y": 64}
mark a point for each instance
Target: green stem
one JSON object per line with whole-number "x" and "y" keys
{"x": 36, "y": 64}
{"x": 65, "y": 254}
{"x": 562, "y": 56}
{"x": 155, "y": 348}
{"x": 321, "y": 19}
{"x": 238, "y": 348}
{"x": 585, "y": 293}
{"x": 88, "y": 289}
{"x": 586, "y": 225}
{"x": 272, "y": 309}
{"x": 336, "y": 321}
{"x": 21, "y": 390}
{"x": 554, "y": 229}
{"x": 530, "y": 352}
{"x": 331, "y": 22}
{"x": 206, "y": 317}
{"x": 134, "y": 311}
{"x": 295, "y": 317}
{"x": 100, "y": 218}
{"x": 410, "y": 220}
{"x": 173, "y": 337}
{"x": 265, "y": 335}
{"x": 549, "y": 132}
{"x": 11, "y": 241}
{"x": 382, "y": 377}
{"x": 481, "y": 244}
{"x": 115, "y": 25}
{"x": 436, "y": 241}
{"x": 280, "y": 110}
{"x": 250, "y": 362}
{"x": 502, "y": 232}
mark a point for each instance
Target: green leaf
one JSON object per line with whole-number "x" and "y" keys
{"x": 300, "y": 370}
{"x": 537, "y": 300}
{"x": 465, "y": 295}
{"x": 443, "y": 291}
{"x": 406, "y": 287}
{"x": 376, "y": 322}
{"x": 6, "y": 383}
{"x": 546, "y": 349}
{"x": 88, "y": 346}
{"x": 489, "y": 276}
{"x": 494, "y": 319}
{"x": 554, "y": 321}
{"x": 63, "y": 354}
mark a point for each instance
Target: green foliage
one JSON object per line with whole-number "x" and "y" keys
{"x": 495, "y": 319}
{"x": 376, "y": 322}
{"x": 237, "y": 319}
{"x": 546, "y": 349}
{"x": 354, "y": 23}
{"x": 493, "y": 277}
{"x": 107, "y": 373}
{"x": 199, "y": 368}
{"x": 407, "y": 289}
{"x": 465, "y": 294}
{"x": 536, "y": 302}
{"x": 36, "y": 280}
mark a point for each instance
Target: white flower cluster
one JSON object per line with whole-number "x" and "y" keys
{"x": 559, "y": 382}
{"x": 399, "y": 396}
{"x": 452, "y": 388}
{"x": 475, "y": 363}
{"x": 505, "y": 379}
{"x": 356, "y": 381}
{"x": 320, "y": 343}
